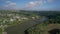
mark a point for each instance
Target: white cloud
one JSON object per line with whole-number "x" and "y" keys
{"x": 8, "y": 1}
{"x": 34, "y": 3}
{"x": 10, "y": 5}
{"x": 30, "y": 4}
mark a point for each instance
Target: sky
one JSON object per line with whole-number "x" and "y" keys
{"x": 41, "y": 5}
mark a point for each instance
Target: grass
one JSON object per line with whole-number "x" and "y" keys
{"x": 41, "y": 28}
{"x": 0, "y": 31}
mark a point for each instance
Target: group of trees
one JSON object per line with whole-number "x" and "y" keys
{"x": 5, "y": 18}
{"x": 53, "y": 17}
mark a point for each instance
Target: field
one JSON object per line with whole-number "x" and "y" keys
{"x": 10, "y": 18}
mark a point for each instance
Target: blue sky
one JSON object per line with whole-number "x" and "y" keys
{"x": 30, "y": 5}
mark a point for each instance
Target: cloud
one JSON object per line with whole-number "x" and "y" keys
{"x": 8, "y": 1}
{"x": 13, "y": 5}
{"x": 34, "y": 3}
{"x": 37, "y": 3}
{"x": 10, "y": 5}
{"x": 30, "y": 4}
